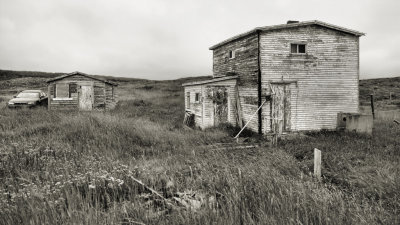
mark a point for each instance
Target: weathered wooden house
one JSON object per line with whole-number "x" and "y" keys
{"x": 80, "y": 91}
{"x": 291, "y": 77}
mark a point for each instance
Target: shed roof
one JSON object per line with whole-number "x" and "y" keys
{"x": 82, "y": 74}
{"x": 210, "y": 81}
{"x": 286, "y": 26}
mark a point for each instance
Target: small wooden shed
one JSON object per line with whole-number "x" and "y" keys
{"x": 80, "y": 91}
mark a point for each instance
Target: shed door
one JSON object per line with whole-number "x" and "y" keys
{"x": 281, "y": 110}
{"x": 86, "y": 97}
{"x": 220, "y": 97}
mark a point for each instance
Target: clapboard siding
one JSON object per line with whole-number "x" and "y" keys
{"x": 204, "y": 109}
{"x": 315, "y": 86}
{"x": 245, "y": 66}
{"x": 104, "y": 96}
{"x": 327, "y": 76}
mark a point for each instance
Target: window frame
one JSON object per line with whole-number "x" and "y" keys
{"x": 197, "y": 97}
{"x": 232, "y": 54}
{"x": 297, "y": 48}
{"x": 56, "y": 94}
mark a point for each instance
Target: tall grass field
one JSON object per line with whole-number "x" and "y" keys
{"x": 70, "y": 167}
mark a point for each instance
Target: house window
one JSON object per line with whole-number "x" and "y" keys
{"x": 72, "y": 89}
{"x": 62, "y": 90}
{"x": 231, "y": 54}
{"x": 197, "y": 97}
{"x": 298, "y": 48}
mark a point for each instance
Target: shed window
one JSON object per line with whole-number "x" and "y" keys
{"x": 62, "y": 90}
{"x": 72, "y": 89}
{"x": 298, "y": 48}
{"x": 197, "y": 97}
{"x": 231, "y": 54}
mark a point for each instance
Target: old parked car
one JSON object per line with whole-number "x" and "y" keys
{"x": 28, "y": 98}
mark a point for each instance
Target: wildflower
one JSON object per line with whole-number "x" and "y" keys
{"x": 120, "y": 182}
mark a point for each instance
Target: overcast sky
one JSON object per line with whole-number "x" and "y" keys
{"x": 168, "y": 39}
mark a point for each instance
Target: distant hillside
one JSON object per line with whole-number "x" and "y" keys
{"x": 381, "y": 88}
{"x": 10, "y": 74}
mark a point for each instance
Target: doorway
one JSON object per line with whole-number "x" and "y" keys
{"x": 280, "y": 108}
{"x": 220, "y": 99}
{"x": 86, "y": 97}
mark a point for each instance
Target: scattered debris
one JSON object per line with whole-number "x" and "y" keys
{"x": 189, "y": 119}
{"x": 194, "y": 200}
{"x": 154, "y": 192}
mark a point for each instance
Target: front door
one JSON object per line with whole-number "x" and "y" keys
{"x": 281, "y": 110}
{"x": 220, "y": 99}
{"x": 86, "y": 97}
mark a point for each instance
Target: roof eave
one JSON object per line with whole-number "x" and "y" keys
{"x": 284, "y": 26}
{"x": 210, "y": 81}
{"x": 79, "y": 73}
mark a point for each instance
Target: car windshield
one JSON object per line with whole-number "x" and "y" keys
{"x": 28, "y": 95}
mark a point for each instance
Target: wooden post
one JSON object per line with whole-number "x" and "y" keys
{"x": 317, "y": 163}
{"x": 372, "y": 106}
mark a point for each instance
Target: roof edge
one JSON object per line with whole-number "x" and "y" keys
{"x": 284, "y": 26}
{"x": 210, "y": 81}
{"x": 80, "y": 73}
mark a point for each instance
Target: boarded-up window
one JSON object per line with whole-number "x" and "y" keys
{"x": 72, "y": 89}
{"x": 62, "y": 90}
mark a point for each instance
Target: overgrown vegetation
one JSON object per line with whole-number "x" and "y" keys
{"x": 76, "y": 167}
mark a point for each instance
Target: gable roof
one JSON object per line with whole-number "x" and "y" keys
{"x": 82, "y": 74}
{"x": 290, "y": 25}
{"x": 210, "y": 81}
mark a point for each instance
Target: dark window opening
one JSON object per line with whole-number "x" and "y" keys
{"x": 197, "y": 97}
{"x": 297, "y": 48}
{"x": 72, "y": 89}
{"x": 231, "y": 54}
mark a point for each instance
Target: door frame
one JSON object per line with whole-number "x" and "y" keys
{"x": 286, "y": 108}
{"x": 227, "y": 102}
{"x": 80, "y": 94}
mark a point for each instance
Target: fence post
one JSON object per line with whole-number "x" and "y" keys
{"x": 317, "y": 163}
{"x": 372, "y": 106}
